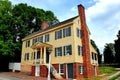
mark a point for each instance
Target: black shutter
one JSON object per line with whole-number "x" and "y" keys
{"x": 70, "y": 48}
{"x": 60, "y": 33}
{"x": 55, "y": 52}
{"x": 55, "y": 35}
{"x": 64, "y": 50}
{"x": 60, "y": 51}
{"x": 63, "y": 32}
{"x": 69, "y": 31}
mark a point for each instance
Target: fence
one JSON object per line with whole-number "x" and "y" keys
{"x": 14, "y": 66}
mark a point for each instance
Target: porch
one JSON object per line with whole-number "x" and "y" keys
{"x": 40, "y": 55}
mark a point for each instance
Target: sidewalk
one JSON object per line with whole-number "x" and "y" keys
{"x": 22, "y": 76}
{"x": 109, "y": 77}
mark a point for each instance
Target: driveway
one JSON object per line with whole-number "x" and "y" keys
{"x": 6, "y": 77}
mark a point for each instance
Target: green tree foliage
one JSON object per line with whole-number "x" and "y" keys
{"x": 109, "y": 53}
{"x": 117, "y": 48}
{"x": 18, "y": 21}
{"x": 96, "y": 48}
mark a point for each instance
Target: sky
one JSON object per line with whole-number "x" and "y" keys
{"x": 102, "y": 16}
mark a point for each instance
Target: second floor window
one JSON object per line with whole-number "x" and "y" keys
{"x": 68, "y": 50}
{"x": 58, "y": 34}
{"x": 58, "y": 51}
{"x": 40, "y": 39}
{"x": 67, "y": 32}
{"x": 28, "y": 43}
{"x": 34, "y": 41}
{"x": 47, "y": 38}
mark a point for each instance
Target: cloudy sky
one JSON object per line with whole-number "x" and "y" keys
{"x": 103, "y": 16}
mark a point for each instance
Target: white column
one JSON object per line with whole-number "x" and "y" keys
{"x": 44, "y": 55}
{"x": 41, "y": 56}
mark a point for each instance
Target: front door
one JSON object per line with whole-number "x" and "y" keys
{"x": 37, "y": 71}
{"x": 95, "y": 72}
{"x": 70, "y": 70}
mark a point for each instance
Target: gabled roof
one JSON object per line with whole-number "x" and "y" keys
{"x": 52, "y": 26}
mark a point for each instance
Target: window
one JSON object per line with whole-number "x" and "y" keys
{"x": 38, "y": 54}
{"x": 28, "y": 43}
{"x": 79, "y": 50}
{"x": 61, "y": 68}
{"x": 78, "y": 33}
{"x": 58, "y": 51}
{"x": 95, "y": 56}
{"x": 67, "y": 32}
{"x": 34, "y": 41}
{"x": 47, "y": 38}
{"x": 34, "y": 55}
{"x": 26, "y": 56}
{"x": 92, "y": 56}
{"x": 68, "y": 50}
{"x": 40, "y": 39}
{"x": 78, "y": 21}
{"x": 58, "y": 34}
{"x": 81, "y": 70}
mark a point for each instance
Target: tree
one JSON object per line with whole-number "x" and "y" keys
{"x": 117, "y": 48}
{"x": 109, "y": 53}
{"x": 96, "y": 48}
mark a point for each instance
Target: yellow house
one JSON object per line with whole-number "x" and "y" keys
{"x": 63, "y": 48}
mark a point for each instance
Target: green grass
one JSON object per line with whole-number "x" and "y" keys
{"x": 117, "y": 76}
{"x": 107, "y": 71}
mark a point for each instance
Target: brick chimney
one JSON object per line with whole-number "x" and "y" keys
{"x": 44, "y": 25}
{"x": 88, "y": 68}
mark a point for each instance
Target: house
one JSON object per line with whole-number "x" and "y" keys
{"x": 66, "y": 45}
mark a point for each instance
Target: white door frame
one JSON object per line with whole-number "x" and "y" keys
{"x": 66, "y": 72}
{"x": 37, "y": 70}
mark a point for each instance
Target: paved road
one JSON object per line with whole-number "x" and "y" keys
{"x": 5, "y": 77}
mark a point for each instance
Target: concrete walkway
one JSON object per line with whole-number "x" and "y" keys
{"x": 109, "y": 77}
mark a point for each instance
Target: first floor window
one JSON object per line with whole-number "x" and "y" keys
{"x": 80, "y": 69}
{"x": 61, "y": 68}
{"x": 58, "y": 51}
{"x": 79, "y": 50}
{"x": 68, "y": 50}
{"x": 26, "y": 56}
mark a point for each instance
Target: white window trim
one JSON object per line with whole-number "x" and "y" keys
{"x": 60, "y": 69}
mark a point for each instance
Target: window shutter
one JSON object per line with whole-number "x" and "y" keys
{"x": 48, "y": 37}
{"x": 55, "y": 35}
{"x": 60, "y": 33}
{"x": 70, "y": 48}
{"x": 55, "y": 52}
{"x": 64, "y": 50}
{"x": 63, "y": 32}
{"x": 60, "y": 51}
{"x": 69, "y": 29}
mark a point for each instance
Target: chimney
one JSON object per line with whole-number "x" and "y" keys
{"x": 89, "y": 72}
{"x": 44, "y": 25}
{"x": 81, "y": 11}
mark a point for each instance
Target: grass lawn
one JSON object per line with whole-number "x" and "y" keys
{"x": 115, "y": 77}
{"x": 107, "y": 71}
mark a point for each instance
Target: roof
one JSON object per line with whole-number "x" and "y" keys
{"x": 52, "y": 26}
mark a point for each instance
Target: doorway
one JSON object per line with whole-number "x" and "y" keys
{"x": 37, "y": 71}
{"x": 69, "y": 70}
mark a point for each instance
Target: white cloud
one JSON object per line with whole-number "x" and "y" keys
{"x": 74, "y": 9}
{"x": 104, "y": 18}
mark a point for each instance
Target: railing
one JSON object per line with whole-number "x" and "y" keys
{"x": 38, "y": 61}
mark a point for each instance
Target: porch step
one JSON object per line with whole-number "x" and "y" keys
{"x": 54, "y": 72}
